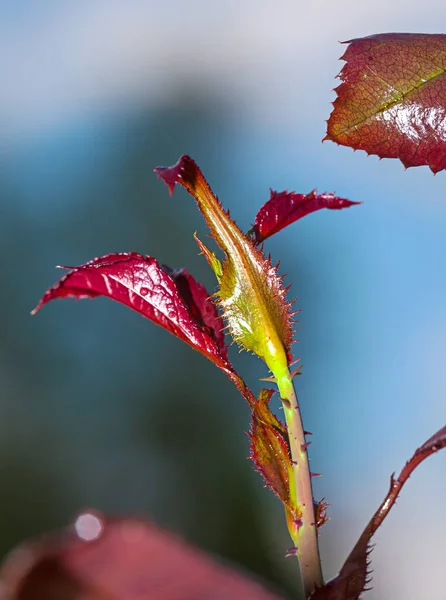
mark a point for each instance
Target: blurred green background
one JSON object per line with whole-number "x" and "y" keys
{"x": 98, "y": 407}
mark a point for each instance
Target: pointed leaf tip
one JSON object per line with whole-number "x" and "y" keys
{"x": 169, "y": 298}
{"x": 284, "y": 208}
{"x": 172, "y": 175}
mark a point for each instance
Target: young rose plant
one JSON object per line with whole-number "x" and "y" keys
{"x": 252, "y": 300}
{"x": 251, "y": 304}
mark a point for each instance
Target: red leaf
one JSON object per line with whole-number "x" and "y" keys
{"x": 200, "y": 305}
{"x": 170, "y": 298}
{"x": 392, "y": 99}
{"x": 120, "y": 559}
{"x": 283, "y": 208}
{"x": 354, "y": 575}
{"x": 173, "y": 301}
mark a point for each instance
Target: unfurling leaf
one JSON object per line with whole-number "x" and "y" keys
{"x": 392, "y": 99}
{"x": 251, "y": 294}
{"x": 354, "y": 575}
{"x": 171, "y": 299}
{"x": 270, "y": 451}
{"x": 120, "y": 559}
{"x": 284, "y": 208}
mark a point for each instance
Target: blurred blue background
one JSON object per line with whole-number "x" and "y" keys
{"x": 99, "y": 407}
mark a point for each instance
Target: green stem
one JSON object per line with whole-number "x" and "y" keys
{"x": 303, "y": 534}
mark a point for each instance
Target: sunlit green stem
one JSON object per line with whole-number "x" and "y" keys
{"x": 303, "y": 533}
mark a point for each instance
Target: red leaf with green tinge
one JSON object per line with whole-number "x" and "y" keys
{"x": 171, "y": 299}
{"x": 284, "y": 208}
{"x": 120, "y": 559}
{"x": 251, "y": 294}
{"x": 354, "y": 575}
{"x": 392, "y": 99}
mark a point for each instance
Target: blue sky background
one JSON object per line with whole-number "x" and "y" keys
{"x": 95, "y": 95}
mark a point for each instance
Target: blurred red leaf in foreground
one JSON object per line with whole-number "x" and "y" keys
{"x": 392, "y": 99}
{"x": 120, "y": 559}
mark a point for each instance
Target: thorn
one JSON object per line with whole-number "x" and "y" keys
{"x": 315, "y": 474}
{"x": 307, "y": 432}
{"x": 271, "y": 379}
{"x": 296, "y": 371}
{"x": 304, "y": 447}
{"x": 291, "y": 552}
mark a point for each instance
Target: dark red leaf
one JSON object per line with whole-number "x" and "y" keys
{"x": 177, "y": 303}
{"x": 120, "y": 559}
{"x": 392, "y": 99}
{"x": 200, "y": 305}
{"x": 354, "y": 575}
{"x": 170, "y": 298}
{"x": 284, "y": 208}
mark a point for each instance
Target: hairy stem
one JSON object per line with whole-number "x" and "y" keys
{"x": 304, "y": 532}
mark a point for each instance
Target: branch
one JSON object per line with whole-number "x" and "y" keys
{"x": 304, "y": 530}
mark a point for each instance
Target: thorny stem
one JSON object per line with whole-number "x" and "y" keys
{"x": 303, "y": 533}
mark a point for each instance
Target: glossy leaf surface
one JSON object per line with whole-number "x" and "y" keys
{"x": 392, "y": 99}
{"x": 120, "y": 559}
{"x": 251, "y": 294}
{"x": 354, "y": 576}
{"x": 200, "y": 305}
{"x": 171, "y": 299}
{"x": 284, "y": 208}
